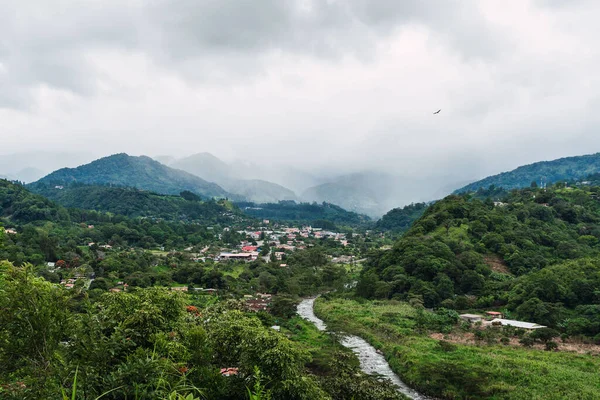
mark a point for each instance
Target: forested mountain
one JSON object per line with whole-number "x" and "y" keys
{"x": 536, "y": 252}
{"x": 139, "y": 172}
{"x": 568, "y": 168}
{"x": 399, "y": 219}
{"x": 135, "y": 203}
{"x": 211, "y": 168}
{"x": 305, "y": 213}
{"x": 21, "y": 206}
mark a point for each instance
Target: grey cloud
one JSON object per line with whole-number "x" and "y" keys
{"x": 48, "y": 42}
{"x": 322, "y": 28}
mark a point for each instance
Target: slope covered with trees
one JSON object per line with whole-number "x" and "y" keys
{"x": 568, "y": 168}
{"x": 139, "y": 172}
{"x": 135, "y": 203}
{"x": 398, "y": 220}
{"x": 536, "y": 253}
{"x": 308, "y": 213}
{"x": 46, "y": 231}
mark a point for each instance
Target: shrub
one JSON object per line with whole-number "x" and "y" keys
{"x": 550, "y": 345}
{"x": 526, "y": 341}
{"x": 544, "y": 334}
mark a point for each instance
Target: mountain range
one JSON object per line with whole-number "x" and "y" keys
{"x": 372, "y": 193}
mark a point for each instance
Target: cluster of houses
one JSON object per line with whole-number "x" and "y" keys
{"x": 495, "y": 318}
{"x": 259, "y": 302}
{"x": 285, "y": 240}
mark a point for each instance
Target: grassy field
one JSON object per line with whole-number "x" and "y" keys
{"x": 462, "y": 371}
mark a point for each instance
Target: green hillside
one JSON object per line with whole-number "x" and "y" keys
{"x": 47, "y": 231}
{"x": 536, "y": 253}
{"x": 304, "y": 213}
{"x": 21, "y": 206}
{"x": 568, "y": 168}
{"x": 135, "y": 203}
{"x": 139, "y": 172}
{"x": 399, "y": 219}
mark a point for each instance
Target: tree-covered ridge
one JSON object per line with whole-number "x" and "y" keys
{"x": 139, "y": 172}
{"x": 399, "y": 219}
{"x": 135, "y": 203}
{"x": 46, "y": 231}
{"x": 568, "y": 168}
{"x": 22, "y": 206}
{"x": 304, "y": 213}
{"x": 465, "y": 252}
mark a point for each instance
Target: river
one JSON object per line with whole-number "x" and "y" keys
{"x": 371, "y": 362}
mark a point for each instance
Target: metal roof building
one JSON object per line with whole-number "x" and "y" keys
{"x": 517, "y": 324}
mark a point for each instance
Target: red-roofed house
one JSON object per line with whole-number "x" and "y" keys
{"x": 229, "y": 371}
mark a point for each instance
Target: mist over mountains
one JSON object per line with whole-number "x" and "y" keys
{"x": 366, "y": 191}
{"x": 32, "y": 165}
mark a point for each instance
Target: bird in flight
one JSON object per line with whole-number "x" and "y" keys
{"x": 438, "y": 111}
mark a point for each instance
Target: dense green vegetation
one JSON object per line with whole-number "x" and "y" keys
{"x": 139, "y": 172}
{"x": 49, "y": 232}
{"x": 535, "y": 254}
{"x": 151, "y": 341}
{"x": 457, "y": 371}
{"x": 135, "y": 203}
{"x": 143, "y": 327}
{"x": 305, "y": 213}
{"x": 398, "y": 220}
{"x": 568, "y": 168}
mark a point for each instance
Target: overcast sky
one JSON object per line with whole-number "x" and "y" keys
{"x": 312, "y": 83}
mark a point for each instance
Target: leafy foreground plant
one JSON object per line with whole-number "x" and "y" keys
{"x": 259, "y": 391}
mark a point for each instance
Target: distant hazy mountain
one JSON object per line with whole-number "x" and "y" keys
{"x": 27, "y": 175}
{"x": 31, "y": 166}
{"x": 375, "y": 193}
{"x": 167, "y": 160}
{"x": 211, "y": 168}
{"x": 546, "y": 171}
{"x": 293, "y": 178}
{"x": 139, "y": 172}
{"x": 259, "y": 191}
{"x": 206, "y": 166}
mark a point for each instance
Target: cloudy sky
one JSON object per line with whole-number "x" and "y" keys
{"x": 349, "y": 84}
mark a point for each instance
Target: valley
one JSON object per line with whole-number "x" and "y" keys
{"x": 404, "y": 286}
